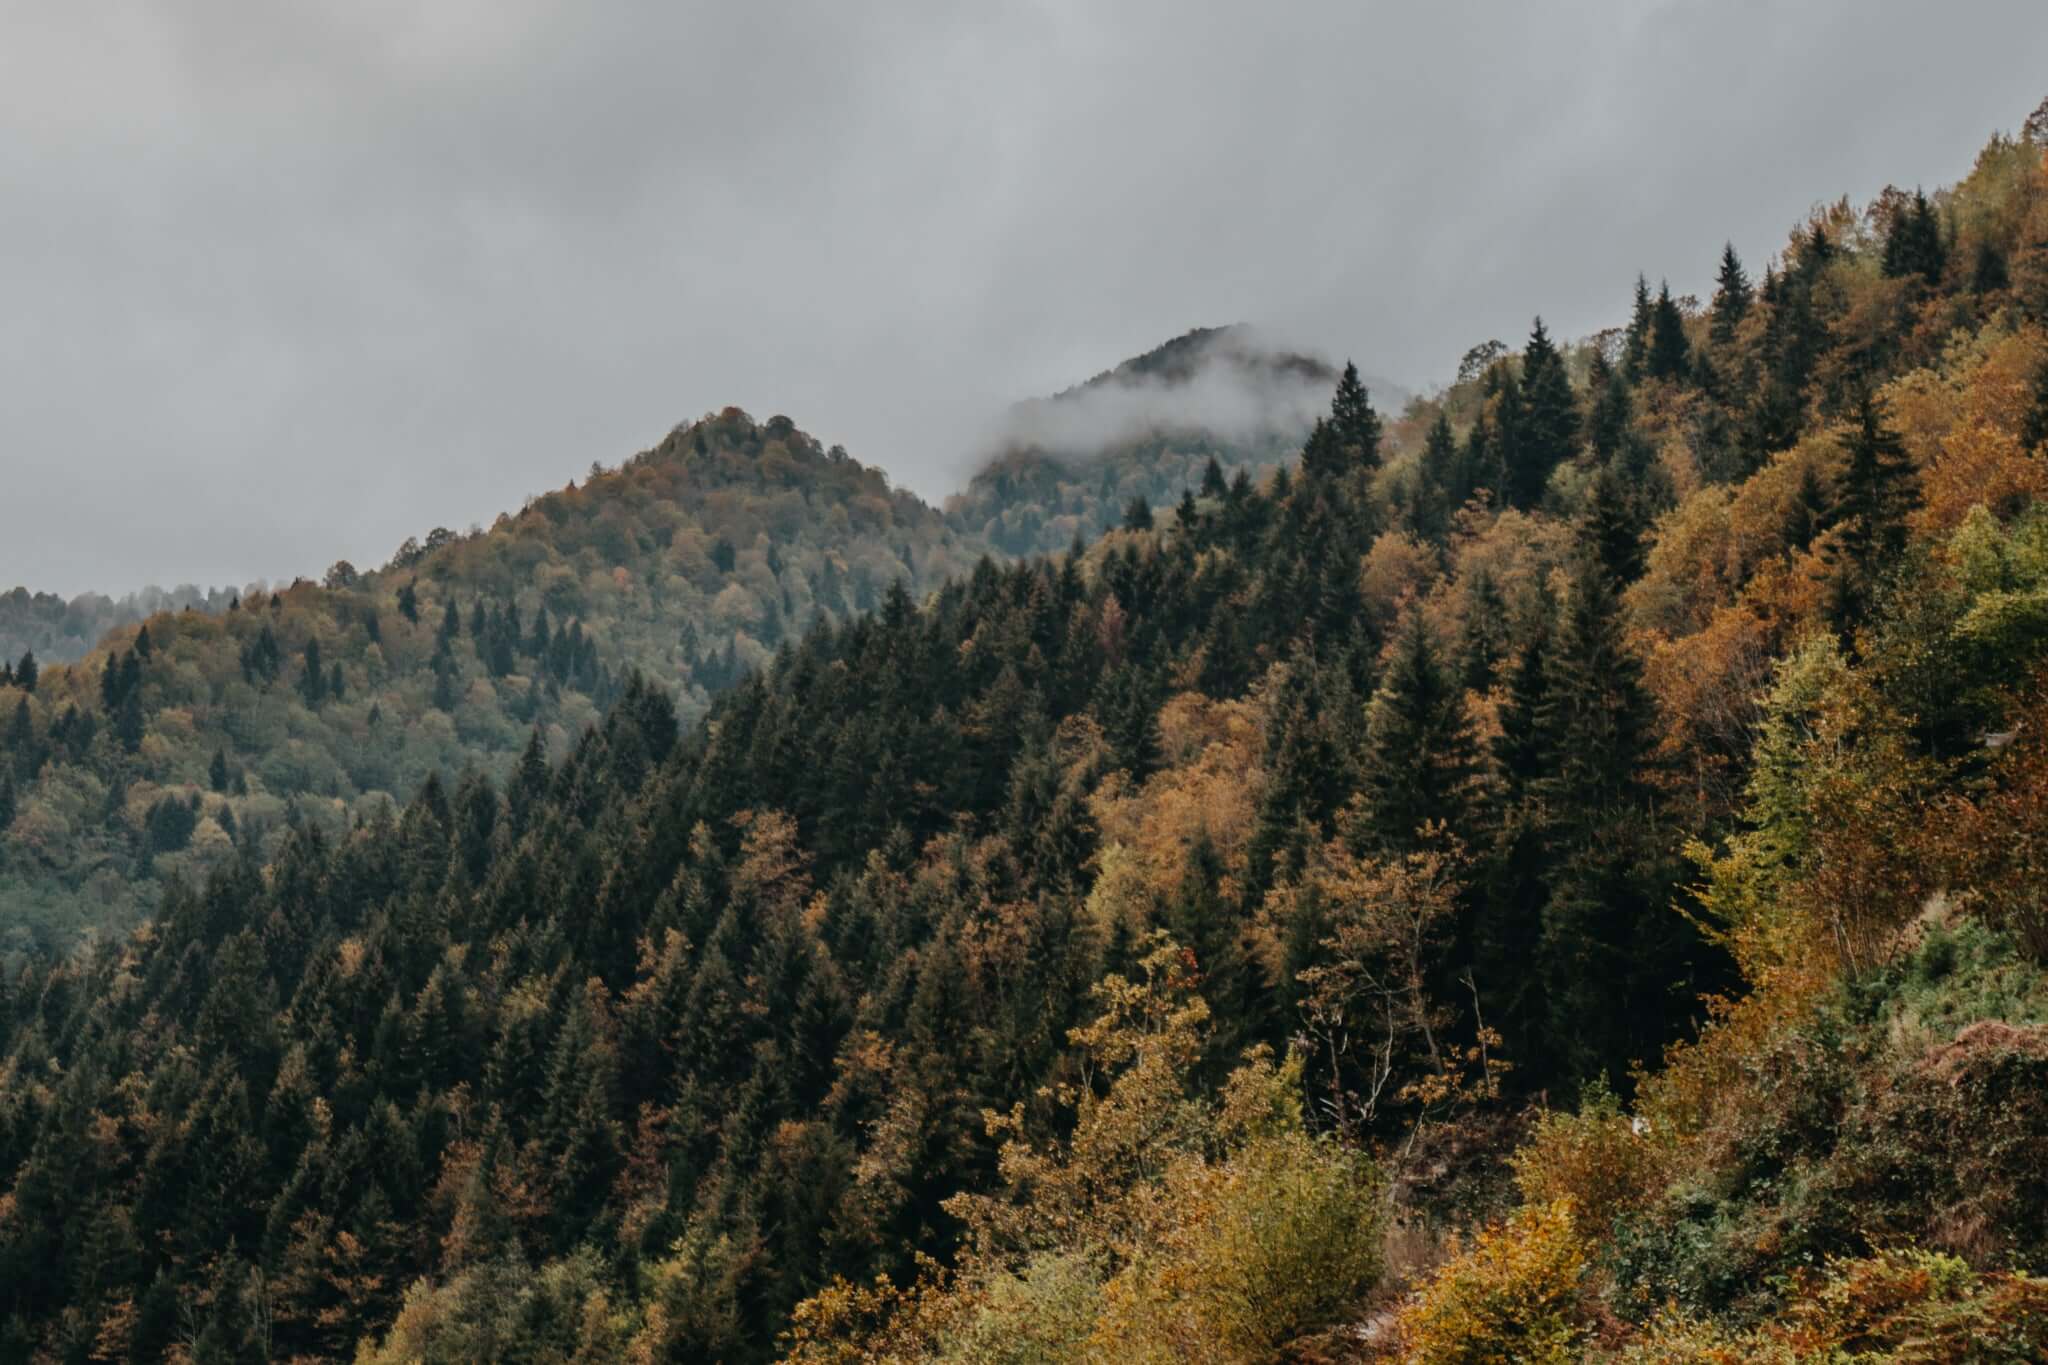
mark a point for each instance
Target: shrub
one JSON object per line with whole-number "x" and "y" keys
{"x": 1595, "y": 1158}
{"x": 1276, "y": 1242}
{"x": 1514, "y": 1296}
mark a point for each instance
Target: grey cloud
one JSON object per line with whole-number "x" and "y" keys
{"x": 281, "y": 284}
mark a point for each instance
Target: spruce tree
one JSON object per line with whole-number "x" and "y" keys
{"x": 1878, "y": 491}
{"x": 1912, "y": 244}
{"x": 1607, "y": 425}
{"x": 1547, "y": 419}
{"x": 1138, "y": 514}
{"x": 1609, "y": 945}
{"x": 1635, "y": 351}
{"x": 1322, "y": 454}
{"x": 217, "y": 772}
{"x": 1213, "y": 485}
{"x": 25, "y": 671}
{"x": 1731, "y": 298}
{"x": 1440, "y": 489}
{"x": 1807, "y": 516}
{"x": 1669, "y": 356}
{"x": 1988, "y": 274}
{"x": 1419, "y": 751}
{"x": 1353, "y": 422}
{"x": 128, "y": 725}
{"x": 1611, "y": 527}
{"x": 313, "y": 679}
{"x": 1597, "y": 720}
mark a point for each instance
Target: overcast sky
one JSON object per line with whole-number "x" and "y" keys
{"x": 284, "y": 283}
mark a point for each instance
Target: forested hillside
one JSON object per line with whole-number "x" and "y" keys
{"x": 179, "y": 739}
{"x": 57, "y": 630}
{"x": 1553, "y": 876}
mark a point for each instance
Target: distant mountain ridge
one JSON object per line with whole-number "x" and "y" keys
{"x": 184, "y": 733}
{"x": 1069, "y": 464}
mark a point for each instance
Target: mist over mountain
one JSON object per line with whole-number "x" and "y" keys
{"x": 1071, "y": 463}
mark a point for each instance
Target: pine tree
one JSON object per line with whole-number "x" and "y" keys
{"x": 1596, "y": 718}
{"x": 128, "y": 725}
{"x": 1912, "y": 244}
{"x": 1807, "y": 517}
{"x": 1440, "y": 489}
{"x": 1546, "y": 419}
{"x": 313, "y": 679}
{"x": 1322, "y": 456}
{"x": 1878, "y": 490}
{"x": 1612, "y": 529}
{"x": 1988, "y": 274}
{"x": 444, "y": 682}
{"x": 1669, "y": 356}
{"x": 1607, "y": 426}
{"x": 1635, "y": 352}
{"x": 1419, "y": 750}
{"x": 1353, "y": 422}
{"x": 1731, "y": 298}
{"x": 1608, "y": 942}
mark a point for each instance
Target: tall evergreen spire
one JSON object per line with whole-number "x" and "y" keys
{"x": 1731, "y": 297}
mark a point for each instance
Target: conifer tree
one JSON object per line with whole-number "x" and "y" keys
{"x": 1597, "y": 720}
{"x": 1138, "y": 514}
{"x": 1611, "y": 527}
{"x": 313, "y": 680}
{"x": 1669, "y": 356}
{"x": 1635, "y": 351}
{"x": 128, "y": 721}
{"x": 1988, "y": 272}
{"x": 1878, "y": 490}
{"x": 1213, "y": 485}
{"x": 408, "y": 602}
{"x": 1607, "y": 425}
{"x": 1353, "y": 422}
{"x": 1322, "y": 456}
{"x": 1912, "y": 244}
{"x": 1439, "y": 483}
{"x": 217, "y": 772}
{"x": 1808, "y": 514}
{"x": 1419, "y": 751}
{"x": 1731, "y": 297}
{"x": 25, "y": 671}
{"x": 1546, "y": 419}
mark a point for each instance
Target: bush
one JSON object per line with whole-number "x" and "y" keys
{"x": 1275, "y": 1243}
{"x": 1595, "y": 1158}
{"x": 1903, "y": 1305}
{"x": 1513, "y": 1297}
